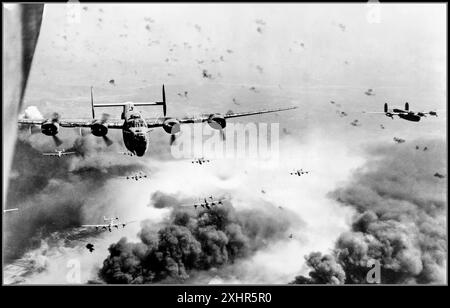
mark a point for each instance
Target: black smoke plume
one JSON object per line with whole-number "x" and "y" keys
{"x": 400, "y": 222}
{"x": 51, "y": 192}
{"x": 161, "y": 200}
{"x": 192, "y": 241}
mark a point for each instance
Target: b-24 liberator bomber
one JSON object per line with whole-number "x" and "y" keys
{"x": 110, "y": 223}
{"x": 135, "y": 128}
{"x": 405, "y": 113}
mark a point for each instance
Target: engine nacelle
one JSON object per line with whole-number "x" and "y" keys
{"x": 99, "y": 129}
{"x": 217, "y": 121}
{"x": 172, "y": 126}
{"x": 50, "y": 128}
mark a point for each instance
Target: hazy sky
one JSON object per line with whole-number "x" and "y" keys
{"x": 303, "y": 54}
{"x": 405, "y": 49}
{"x": 403, "y": 58}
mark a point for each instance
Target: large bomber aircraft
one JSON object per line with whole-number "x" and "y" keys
{"x": 137, "y": 176}
{"x": 299, "y": 172}
{"x": 58, "y": 153}
{"x": 206, "y": 203}
{"x": 134, "y": 127}
{"x": 110, "y": 223}
{"x": 200, "y": 161}
{"x": 405, "y": 114}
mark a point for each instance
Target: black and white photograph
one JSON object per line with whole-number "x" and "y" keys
{"x": 232, "y": 143}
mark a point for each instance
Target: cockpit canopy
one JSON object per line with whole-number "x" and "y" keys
{"x": 136, "y": 122}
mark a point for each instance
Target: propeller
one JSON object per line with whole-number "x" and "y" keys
{"x": 84, "y": 132}
{"x": 173, "y": 131}
{"x": 172, "y": 139}
{"x": 107, "y": 141}
{"x": 222, "y": 134}
{"x": 34, "y": 129}
{"x": 218, "y": 126}
{"x": 55, "y": 117}
{"x": 57, "y": 141}
{"x": 104, "y": 118}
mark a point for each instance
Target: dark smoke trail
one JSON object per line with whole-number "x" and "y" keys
{"x": 192, "y": 241}
{"x": 401, "y": 221}
{"x": 161, "y": 200}
{"x": 51, "y": 192}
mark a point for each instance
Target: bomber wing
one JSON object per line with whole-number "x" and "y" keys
{"x": 10, "y": 210}
{"x": 432, "y": 113}
{"x": 128, "y": 222}
{"x": 110, "y": 123}
{"x": 30, "y": 122}
{"x": 123, "y": 224}
{"x": 158, "y": 122}
{"x": 249, "y": 113}
{"x": 381, "y": 112}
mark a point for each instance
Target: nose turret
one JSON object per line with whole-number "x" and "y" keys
{"x": 140, "y": 143}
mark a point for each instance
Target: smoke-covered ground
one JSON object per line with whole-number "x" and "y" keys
{"x": 91, "y": 189}
{"x": 400, "y": 222}
{"x": 352, "y": 197}
{"x": 398, "y": 209}
{"x": 54, "y": 194}
{"x": 194, "y": 241}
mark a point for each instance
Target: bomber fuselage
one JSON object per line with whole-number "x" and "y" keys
{"x": 410, "y": 117}
{"x": 135, "y": 130}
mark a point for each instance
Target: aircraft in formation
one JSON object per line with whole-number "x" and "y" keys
{"x": 137, "y": 176}
{"x": 58, "y": 153}
{"x": 355, "y": 123}
{"x": 299, "y": 172}
{"x": 208, "y": 202}
{"x": 134, "y": 126}
{"x": 424, "y": 149}
{"x": 405, "y": 114}
{"x": 200, "y": 161}
{"x": 438, "y": 175}
{"x": 109, "y": 225}
{"x": 369, "y": 92}
{"x": 399, "y": 140}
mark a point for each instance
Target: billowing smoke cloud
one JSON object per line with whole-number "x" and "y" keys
{"x": 31, "y": 112}
{"x": 401, "y": 220}
{"x": 161, "y": 200}
{"x": 51, "y": 193}
{"x": 192, "y": 241}
{"x": 325, "y": 270}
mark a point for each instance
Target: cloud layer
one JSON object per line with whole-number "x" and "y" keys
{"x": 400, "y": 222}
{"x": 192, "y": 241}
